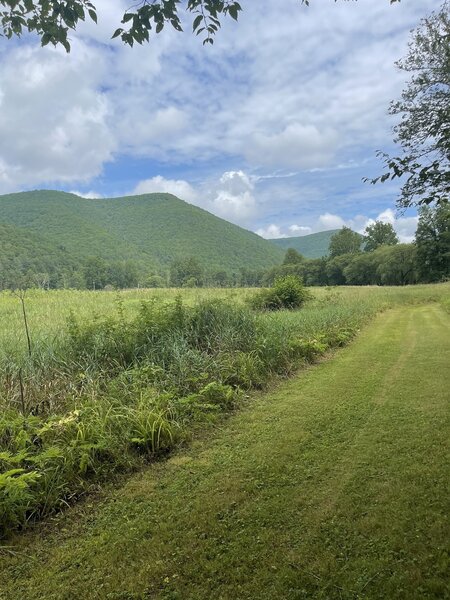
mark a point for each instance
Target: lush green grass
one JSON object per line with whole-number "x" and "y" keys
{"x": 152, "y": 229}
{"x": 49, "y": 310}
{"x": 332, "y": 486}
{"x": 124, "y": 381}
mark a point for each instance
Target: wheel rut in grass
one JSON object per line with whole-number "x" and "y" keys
{"x": 332, "y": 486}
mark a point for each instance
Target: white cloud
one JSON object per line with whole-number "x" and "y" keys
{"x": 53, "y": 120}
{"x": 177, "y": 187}
{"x": 404, "y": 226}
{"x": 295, "y": 89}
{"x": 299, "y": 146}
{"x": 387, "y": 216}
{"x": 89, "y": 195}
{"x": 329, "y": 221}
{"x": 271, "y": 232}
{"x": 231, "y": 196}
{"x": 299, "y": 230}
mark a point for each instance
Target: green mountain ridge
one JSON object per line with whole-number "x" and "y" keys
{"x": 151, "y": 229}
{"x": 313, "y": 245}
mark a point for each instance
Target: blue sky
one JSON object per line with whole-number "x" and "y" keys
{"x": 271, "y": 128}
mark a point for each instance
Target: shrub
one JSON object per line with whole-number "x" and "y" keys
{"x": 287, "y": 292}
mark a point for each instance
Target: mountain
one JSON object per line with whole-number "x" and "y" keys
{"x": 22, "y": 253}
{"x": 151, "y": 229}
{"x": 314, "y": 245}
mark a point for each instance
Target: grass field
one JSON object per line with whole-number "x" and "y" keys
{"x": 49, "y": 310}
{"x": 332, "y": 486}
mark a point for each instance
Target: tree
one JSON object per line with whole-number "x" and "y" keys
{"x": 362, "y": 270}
{"x": 433, "y": 243}
{"x": 96, "y": 272}
{"x": 292, "y": 257}
{"x": 52, "y": 20}
{"x": 335, "y": 268}
{"x": 186, "y": 272}
{"x": 397, "y": 264}
{"x": 379, "y": 234}
{"x": 423, "y": 133}
{"x": 345, "y": 241}
{"x": 220, "y": 278}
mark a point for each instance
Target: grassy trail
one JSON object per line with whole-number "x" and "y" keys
{"x": 333, "y": 486}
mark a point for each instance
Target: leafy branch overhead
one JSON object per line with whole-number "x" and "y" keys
{"x": 52, "y": 20}
{"x": 423, "y": 132}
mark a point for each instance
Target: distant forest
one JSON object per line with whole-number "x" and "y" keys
{"x": 28, "y": 260}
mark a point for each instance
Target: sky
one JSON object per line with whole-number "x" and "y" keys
{"x": 272, "y": 128}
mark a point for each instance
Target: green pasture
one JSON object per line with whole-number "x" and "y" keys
{"x": 48, "y": 311}
{"x": 332, "y": 486}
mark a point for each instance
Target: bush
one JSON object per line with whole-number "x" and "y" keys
{"x": 287, "y": 292}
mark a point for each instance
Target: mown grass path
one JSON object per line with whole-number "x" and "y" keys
{"x": 333, "y": 486}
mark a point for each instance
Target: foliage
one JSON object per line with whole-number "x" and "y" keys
{"x": 133, "y": 386}
{"x": 362, "y": 270}
{"x": 358, "y": 456}
{"x": 186, "y": 272}
{"x": 397, "y": 265}
{"x": 286, "y": 292}
{"x": 379, "y": 234}
{"x": 423, "y": 133}
{"x": 336, "y": 266}
{"x": 52, "y": 19}
{"x": 119, "y": 241}
{"x": 433, "y": 243}
{"x": 345, "y": 241}
{"x": 314, "y": 245}
{"x": 292, "y": 257}
{"x": 29, "y": 259}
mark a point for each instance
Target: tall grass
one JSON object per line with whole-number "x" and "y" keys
{"x": 113, "y": 381}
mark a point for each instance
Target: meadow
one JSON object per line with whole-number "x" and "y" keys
{"x": 114, "y": 380}
{"x": 48, "y": 311}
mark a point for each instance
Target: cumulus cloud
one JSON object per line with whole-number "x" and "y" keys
{"x": 330, "y": 221}
{"x": 233, "y": 197}
{"x": 89, "y": 195}
{"x": 230, "y": 196}
{"x": 178, "y": 187}
{"x": 244, "y": 107}
{"x": 299, "y": 230}
{"x": 53, "y": 121}
{"x": 299, "y": 146}
{"x": 271, "y": 232}
{"x": 404, "y": 226}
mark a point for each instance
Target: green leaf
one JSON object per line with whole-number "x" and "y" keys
{"x": 117, "y": 33}
{"x": 197, "y": 22}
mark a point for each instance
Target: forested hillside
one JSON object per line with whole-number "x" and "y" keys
{"x": 152, "y": 231}
{"x": 314, "y": 245}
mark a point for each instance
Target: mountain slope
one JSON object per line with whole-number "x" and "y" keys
{"x": 314, "y": 245}
{"x": 23, "y": 253}
{"x": 151, "y": 228}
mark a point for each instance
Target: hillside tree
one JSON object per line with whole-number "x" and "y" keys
{"x": 379, "y": 234}
{"x": 345, "y": 241}
{"x": 433, "y": 243}
{"x": 186, "y": 272}
{"x": 292, "y": 257}
{"x": 397, "y": 264}
{"x": 423, "y": 132}
{"x": 52, "y": 20}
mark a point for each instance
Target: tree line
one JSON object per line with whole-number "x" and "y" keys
{"x": 374, "y": 259}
